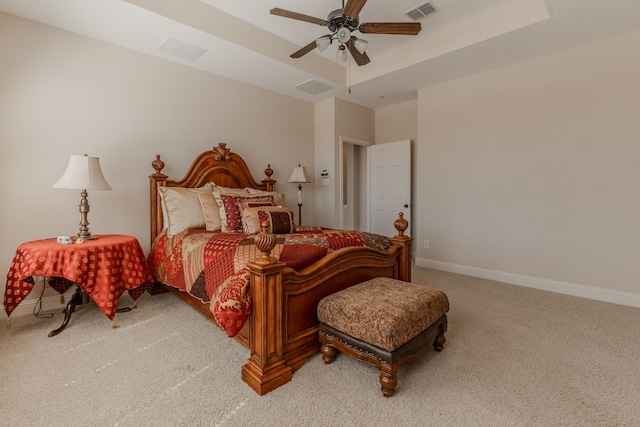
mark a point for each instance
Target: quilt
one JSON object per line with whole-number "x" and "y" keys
{"x": 212, "y": 266}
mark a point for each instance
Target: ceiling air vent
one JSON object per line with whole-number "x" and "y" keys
{"x": 420, "y": 12}
{"x": 181, "y": 49}
{"x": 313, "y": 87}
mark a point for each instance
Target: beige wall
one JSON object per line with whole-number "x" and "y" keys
{"x": 529, "y": 173}
{"x": 63, "y": 94}
{"x": 397, "y": 122}
{"x": 335, "y": 118}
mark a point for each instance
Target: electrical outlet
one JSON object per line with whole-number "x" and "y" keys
{"x": 426, "y": 244}
{"x": 61, "y": 299}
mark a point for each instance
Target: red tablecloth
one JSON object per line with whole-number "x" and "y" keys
{"x": 104, "y": 268}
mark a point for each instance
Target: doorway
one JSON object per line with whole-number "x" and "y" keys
{"x": 375, "y": 184}
{"x": 354, "y": 184}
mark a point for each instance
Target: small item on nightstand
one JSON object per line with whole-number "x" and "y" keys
{"x": 64, "y": 240}
{"x": 79, "y": 241}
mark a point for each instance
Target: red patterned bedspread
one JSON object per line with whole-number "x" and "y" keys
{"x": 212, "y": 266}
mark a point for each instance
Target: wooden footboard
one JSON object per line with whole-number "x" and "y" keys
{"x": 283, "y": 324}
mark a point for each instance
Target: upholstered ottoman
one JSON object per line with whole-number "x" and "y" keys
{"x": 383, "y": 322}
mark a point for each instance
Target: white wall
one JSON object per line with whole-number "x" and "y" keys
{"x": 335, "y": 118}
{"x": 529, "y": 173}
{"x": 63, "y": 94}
{"x": 397, "y": 123}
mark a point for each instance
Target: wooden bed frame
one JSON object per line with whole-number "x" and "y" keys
{"x": 282, "y": 331}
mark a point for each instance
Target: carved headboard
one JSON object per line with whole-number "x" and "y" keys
{"x": 217, "y": 165}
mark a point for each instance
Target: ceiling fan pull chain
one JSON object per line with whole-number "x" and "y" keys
{"x": 348, "y": 72}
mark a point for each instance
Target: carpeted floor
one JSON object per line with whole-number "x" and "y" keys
{"x": 514, "y": 357}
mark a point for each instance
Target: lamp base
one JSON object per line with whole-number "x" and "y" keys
{"x": 84, "y": 233}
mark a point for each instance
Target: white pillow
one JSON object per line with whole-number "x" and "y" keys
{"x": 278, "y": 198}
{"x": 210, "y": 211}
{"x": 183, "y": 208}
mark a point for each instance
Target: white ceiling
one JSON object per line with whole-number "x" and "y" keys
{"x": 245, "y": 42}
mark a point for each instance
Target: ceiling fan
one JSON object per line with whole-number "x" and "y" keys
{"x": 343, "y": 23}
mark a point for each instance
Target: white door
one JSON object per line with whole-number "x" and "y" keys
{"x": 390, "y": 186}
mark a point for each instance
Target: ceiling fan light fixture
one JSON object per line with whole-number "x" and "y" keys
{"x": 343, "y": 34}
{"x": 361, "y": 45}
{"x": 342, "y": 54}
{"x": 323, "y": 43}
{"x": 341, "y": 24}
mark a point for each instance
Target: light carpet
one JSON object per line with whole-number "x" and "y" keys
{"x": 514, "y": 357}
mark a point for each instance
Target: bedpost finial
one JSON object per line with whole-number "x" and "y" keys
{"x": 401, "y": 224}
{"x": 157, "y": 164}
{"x": 265, "y": 242}
{"x": 268, "y": 171}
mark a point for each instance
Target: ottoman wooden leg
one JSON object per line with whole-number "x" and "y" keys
{"x": 388, "y": 379}
{"x": 438, "y": 344}
{"x": 328, "y": 353}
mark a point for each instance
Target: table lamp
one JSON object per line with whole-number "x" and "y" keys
{"x": 83, "y": 173}
{"x": 299, "y": 176}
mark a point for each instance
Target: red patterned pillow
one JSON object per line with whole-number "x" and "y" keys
{"x": 233, "y": 210}
{"x": 299, "y": 256}
{"x": 250, "y": 218}
{"x": 279, "y": 222}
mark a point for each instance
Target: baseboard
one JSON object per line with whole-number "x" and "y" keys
{"x": 599, "y": 294}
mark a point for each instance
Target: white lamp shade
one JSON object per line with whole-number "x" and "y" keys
{"x": 83, "y": 173}
{"x": 342, "y": 54}
{"x": 323, "y": 42}
{"x": 343, "y": 35}
{"x": 361, "y": 45}
{"x": 299, "y": 175}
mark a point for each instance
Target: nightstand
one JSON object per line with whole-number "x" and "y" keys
{"x": 103, "y": 269}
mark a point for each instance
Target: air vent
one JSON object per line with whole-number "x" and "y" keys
{"x": 181, "y": 49}
{"x": 314, "y": 87}
{"x": 421, "y": 11}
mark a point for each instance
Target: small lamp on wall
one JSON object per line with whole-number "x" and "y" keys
{"x": 83, "y": 173}
{"x": 299, "y": 176}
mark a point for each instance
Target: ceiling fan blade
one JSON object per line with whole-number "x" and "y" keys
{"x": 360, "y": 58}
{"x": 353, "y": 7}
{"x": 299, "y": 16}
{"x": 401, "y": 28}
{"x": 308, "y": 48}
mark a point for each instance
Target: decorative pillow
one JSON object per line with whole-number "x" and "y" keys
{"x": 278, "y": 198}
{"x": 233, "y": 211}
{"x": 228, "y": 190}
{"x": 299, "y": 256}
{"x": 245, "y": 203}
{"x": 250, "y": 220}
{"x": 211, "y": 211}
{"x": 218, "y": 191}
{"x": 279, "y": 222}
{"x": 183, "y": 208}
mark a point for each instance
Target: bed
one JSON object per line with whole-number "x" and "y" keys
{"x": 272, "y": 309}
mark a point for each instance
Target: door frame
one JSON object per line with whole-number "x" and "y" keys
{"x": 365, "y": 143}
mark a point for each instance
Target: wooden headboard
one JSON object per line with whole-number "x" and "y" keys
{"x": 217, "y": 165}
